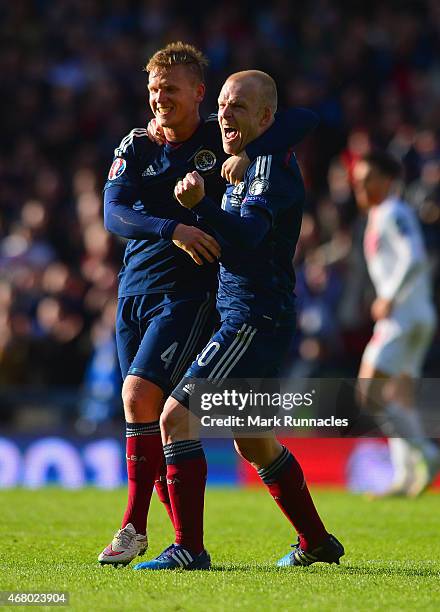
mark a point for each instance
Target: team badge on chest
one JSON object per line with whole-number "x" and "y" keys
{"x": 204, "y": 160}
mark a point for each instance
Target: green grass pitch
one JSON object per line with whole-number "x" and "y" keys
{"x": 50, "y": 540}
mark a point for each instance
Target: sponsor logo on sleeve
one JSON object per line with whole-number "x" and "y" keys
{"x": 117, "y": 168}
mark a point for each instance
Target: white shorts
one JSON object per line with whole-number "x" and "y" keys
{"x": 399, "y": 343}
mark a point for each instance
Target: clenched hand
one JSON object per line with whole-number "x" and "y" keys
{"x": 190, "y": 190}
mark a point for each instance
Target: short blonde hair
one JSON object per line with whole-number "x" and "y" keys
{"x": 178, "y": 54}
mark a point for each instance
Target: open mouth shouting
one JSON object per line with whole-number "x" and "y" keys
{"x": 230, "y": 134}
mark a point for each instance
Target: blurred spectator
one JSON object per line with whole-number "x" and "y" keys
{"x": 102, "y": 382}
{"x": 319, "y": 339}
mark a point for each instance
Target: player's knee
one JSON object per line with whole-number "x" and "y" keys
{"x": 172, "y": 419}
{"x": 361, "y": 392}
{"x": 369, "y": 394}
{"x": 166, "y": 418}
{"x": 142, "y": 400}
{"x": 259, "y": 452}
{"x": 245, "y": 449}
{"x": 132, "y": 406}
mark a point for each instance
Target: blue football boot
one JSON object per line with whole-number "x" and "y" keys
{"x": 330, "y": 551}
{"x": 176, "y": 557}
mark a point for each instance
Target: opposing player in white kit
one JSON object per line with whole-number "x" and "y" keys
{"x": 405, "y": 322}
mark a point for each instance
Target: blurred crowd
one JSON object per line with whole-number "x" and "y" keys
{"x": 73, "y": 86}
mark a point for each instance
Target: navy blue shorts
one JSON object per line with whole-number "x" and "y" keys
{"x": 158, "y": 335}
{"x": 240, "y": 349}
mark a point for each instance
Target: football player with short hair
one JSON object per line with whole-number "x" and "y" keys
{"x": 169, "y": 276}
{"x": 258, "y": 227}
{"x": 405, "y": 320}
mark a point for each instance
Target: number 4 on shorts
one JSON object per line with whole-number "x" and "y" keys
{"x": 168, "y": 355}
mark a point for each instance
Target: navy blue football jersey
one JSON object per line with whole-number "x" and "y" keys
{"x": 260, "y": 281}
{"x": 148, "y": 173}
{"x": 140, "y": 203}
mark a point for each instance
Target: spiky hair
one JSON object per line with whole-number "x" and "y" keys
{"x": 178, "y": 54}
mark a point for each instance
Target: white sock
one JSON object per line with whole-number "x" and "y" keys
{"x": 400, "y": 456}
{"x": 403, "y": 423}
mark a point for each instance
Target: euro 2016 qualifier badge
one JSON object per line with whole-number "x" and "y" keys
{"x": 204, "y": 160}
{"x": 117, "y": 168}
{"x": 258, "y": 186}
